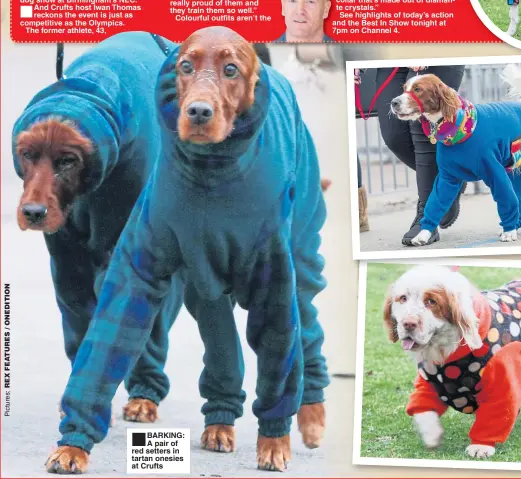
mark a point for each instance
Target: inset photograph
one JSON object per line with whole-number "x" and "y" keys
{"x": 438, "y": 381}
{"x": 435, "y": 157}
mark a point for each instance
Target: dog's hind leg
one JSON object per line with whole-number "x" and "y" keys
{"x": 147, "y": 383}
{"x": 221, "y": 380}
{"x": 514, "y": 19}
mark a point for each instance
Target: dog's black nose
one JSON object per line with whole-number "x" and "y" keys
{"x": 394, "y": 103}
{"x": 34, "y": 212}
{"x": 200, "y": 112}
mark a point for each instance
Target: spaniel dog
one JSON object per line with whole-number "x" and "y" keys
{"x": 474, "y": 142}
{"x": 467, "y": 346}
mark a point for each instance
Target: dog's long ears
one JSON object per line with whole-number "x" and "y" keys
{"x": 254, "y": 77}
{"x": 463, "y": 316}
{"x": 389, "y": 321}
{"x": 449, "y": 102}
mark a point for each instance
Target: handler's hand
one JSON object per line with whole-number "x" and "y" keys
{"x": 358, "y": 80}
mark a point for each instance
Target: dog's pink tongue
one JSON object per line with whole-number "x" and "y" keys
{"x": 407, "y": 344}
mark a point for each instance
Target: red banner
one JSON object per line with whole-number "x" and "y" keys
{"x": 352, "y": 21}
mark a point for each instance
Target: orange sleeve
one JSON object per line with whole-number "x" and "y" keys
{"x": 424, "y": 398}
{"x": 500, "y": 397}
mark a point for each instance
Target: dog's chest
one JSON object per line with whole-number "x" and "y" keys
{"x": 458, "y": 382}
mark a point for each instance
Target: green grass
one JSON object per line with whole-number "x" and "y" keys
{"x": 497, "y": 11}
{"x": 387, "y": 431}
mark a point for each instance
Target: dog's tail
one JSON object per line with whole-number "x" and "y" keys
{"x": 512, "y": 77}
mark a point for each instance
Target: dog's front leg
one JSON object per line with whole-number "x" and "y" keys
{"x": 429, "y": 426}
{"x": 422, "y": 238}
{"x": 274, "y": 333}
{"x": 514, "y": 19}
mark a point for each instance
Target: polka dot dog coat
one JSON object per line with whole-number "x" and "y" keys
{"x": 458, "y": 382}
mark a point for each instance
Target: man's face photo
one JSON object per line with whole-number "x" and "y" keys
{"x": 305, "y": 18}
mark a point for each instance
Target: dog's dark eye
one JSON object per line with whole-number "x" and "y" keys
{"x": 417, "y": 89}
{"x": 231, "y": 70}
{"x": 30, "y": 155}
{"x": 430, "y": 302}
{"x": 186, "y": 67}
{"x": 66, "y": 161}
{"x": 403, "y": 299}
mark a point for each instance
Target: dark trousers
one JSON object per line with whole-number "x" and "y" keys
{"x": 406, "y": 139}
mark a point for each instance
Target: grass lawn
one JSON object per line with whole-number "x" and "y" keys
{"x": 497, "y": 11}
{"x": 387, "y": 431}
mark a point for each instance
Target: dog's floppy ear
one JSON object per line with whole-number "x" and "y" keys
{"x": 449, "y": 102}
{"x": 389, "y": 321}
{"x": 254, "y": 77}
{"x": 463, "y": 315}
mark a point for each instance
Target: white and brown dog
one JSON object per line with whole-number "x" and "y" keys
{"x": 467, "y": 345}
{"x": 474, "y": 142}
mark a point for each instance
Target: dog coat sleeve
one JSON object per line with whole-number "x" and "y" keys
{"x": 424, "y": 398}
{"x": 496, "y": 178}
{"x": 444, "y": 192}
{"x": 500, "y": 397}
{"x": 138, "y": 278}
{"x": 310, "y": 215}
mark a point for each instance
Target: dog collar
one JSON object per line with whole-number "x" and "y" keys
{"x": 458, "y": 130}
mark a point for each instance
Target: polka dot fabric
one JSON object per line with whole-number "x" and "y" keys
{"x": 458, "y": 382}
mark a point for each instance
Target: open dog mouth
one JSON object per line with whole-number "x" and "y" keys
{"x": 408, "y": 344}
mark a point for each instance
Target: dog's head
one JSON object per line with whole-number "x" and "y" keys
{"x": 217, "y": 71}
{"x": 430, "y": 310}
{"x": 53, "y": 158}
{"x": 437, "y": 99}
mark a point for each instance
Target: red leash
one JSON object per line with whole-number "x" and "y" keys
{"x": 426, "y": 127}
{"x": 358, "y": 101}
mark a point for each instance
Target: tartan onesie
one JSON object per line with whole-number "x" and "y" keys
{"x": 115, "y": 114}
{"x": 241, "y": 218}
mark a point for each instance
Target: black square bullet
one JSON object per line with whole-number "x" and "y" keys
{"x": 139, "y": 439}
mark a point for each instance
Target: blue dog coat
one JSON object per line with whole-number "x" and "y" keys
{"x": 485, "y": 155}
{"x": 240, "y": 217}
{"x": 109, "y": 94}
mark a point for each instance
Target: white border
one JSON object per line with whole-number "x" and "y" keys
{"x": 359, "y": 378}
{"x": 411, "y": 252}
{"x": 492, "y": 26}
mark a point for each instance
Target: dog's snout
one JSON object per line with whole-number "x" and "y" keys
{"x": 200, "y": 112}
{"x": 395, "y": 102}
{"x": 34, "y": 212}
{"x": 410, "y": 324}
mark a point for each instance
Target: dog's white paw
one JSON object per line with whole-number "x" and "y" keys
{"x": 421, "y": 238}
{"x": 509, "y": 236}
{"x": 430, "y": 429}
{"x": 480, "y": 450}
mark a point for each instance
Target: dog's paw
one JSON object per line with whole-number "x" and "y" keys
{"x": 219, "y": 438}
{"x": 273, "y": 453}
{"x": 481, "y": 451}
{"x": 421, "y": 238}
{"x": 140, "y": 410}
{"x": 67, "y": 460}
{"x": 325, "y": 183}
{"x": 62, "y": 415}
{"x": 509, "y": 236}
{"x": 430, "y": 429}
{"x": 312, "y": 423}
